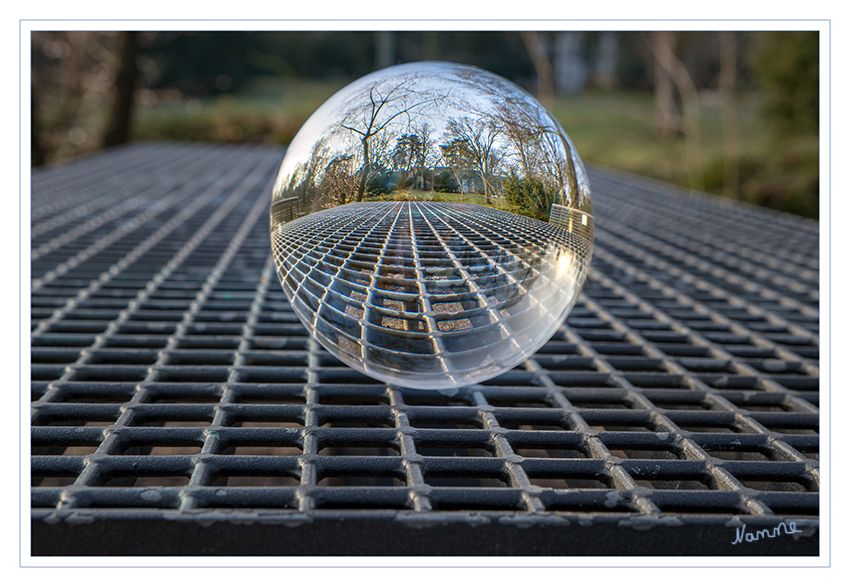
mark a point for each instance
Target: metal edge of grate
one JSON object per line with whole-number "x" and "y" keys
{"x": 179, "y": 407}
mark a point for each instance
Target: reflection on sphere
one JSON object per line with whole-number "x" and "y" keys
{"x": 432, "y": 225}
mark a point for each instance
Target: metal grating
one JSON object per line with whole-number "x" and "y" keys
{"x": 179, "y": 407}
{"x": 455, "y": 293}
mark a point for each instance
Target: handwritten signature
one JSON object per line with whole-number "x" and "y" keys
{"x": 741, "y": 534}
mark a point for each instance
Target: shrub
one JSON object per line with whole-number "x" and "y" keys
{"x": 446, "y": 183}
{"x": 527, "y": 196}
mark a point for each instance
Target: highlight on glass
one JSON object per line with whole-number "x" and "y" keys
{"x": 432, "y": 225}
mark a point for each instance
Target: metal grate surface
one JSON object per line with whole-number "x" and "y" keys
{"x": 453, "y": 293}
{"x": 179, "y": 407}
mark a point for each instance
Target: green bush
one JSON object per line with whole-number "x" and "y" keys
{"x": 446, "y": 183}
{"x": 787, "y": 67}
{"x": 527, "y": 196}
{"x": 380, "y": 182}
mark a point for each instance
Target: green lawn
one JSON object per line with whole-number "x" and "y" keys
{"x": 427, "y": 196}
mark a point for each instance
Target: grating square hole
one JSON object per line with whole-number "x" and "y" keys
{"x": 767, "y": 408}
{"x": 638, "y": 364}
{"x": 234, "y": 480}
{"x": 182, "y": 396}
{"x": 705, "y": 507}
{"x": 199, "y": 358}
{"x": 354, "y": 481}
{"x": 135, "y": 342}
{"x": 551, "y": 453}
{"x": 648, "y": 446}
{"x": 78, "y": 450}
{"x": 653, "y": 455}
{"x": 113, "y": 357}
{"x": 776, "y": 486}
{"x": 359, "y": 423}
{"x": 454, "y": 325}
{"x": 152, "y": 328}
{"x": 741, "y": 455}
{"x": 802, "y": 430}
{"x": 600, "y": 404}
{"x": 59, "y": 420}
{"x": 169, "y": 421}
{"x": 412, "y": 398}
{"x": 446, "y": 421}
{"x": 160, "y": 450}
{"x": 128, "y": 479}
{"x": 192, "y": 374}
{"x": 199, "y": 342}
{"x": 454, "y": 451}
{"x": 265, "y": 424}
{"x": 589, "y": 500}
{"x": 551, "y": 427}
{"x": 81, "y": 397}
{"x": 359, "y": 451}
{"x": 58, "y": 481}
{"x": 345, "y": 397}
{"x": 109, "y": 373}
{"x": 516, "y": 402}
{"x": 675, "y": 484}
{"x": 665, "y": 405}
{"x": 263, "y": 394}
{"x": 275, "y": 344}
{"x": 617, "y": 427}
{"x": 277, "y": 359}
{"x": 568, "y": 483}
{"x": 465, "y": 481}
{"x": 458, "y": 500}
{"x": 268, "y": 451}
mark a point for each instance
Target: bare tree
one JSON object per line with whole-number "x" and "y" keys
{"x": 383, "y": 109}
{"x": 605, "y": 64}
{"x": 338, "y": 180}
{"x": 471, "y": 144}
{"x": 570, "y": 67}
{"x": 118, "y": 130}
{"x": 542, "y": 66}
{"x": 661, "y": 45}
{"x": 664, "y": 90}
{"x": 731, "y": 134}
{"x": 426, "y": 148}
{"x": 75, "y": 78}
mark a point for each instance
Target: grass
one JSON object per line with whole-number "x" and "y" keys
{"x": 616, "y": 130}
{"x": 427, "y": 196}
{"x": 619, "y": 131}
{"x": 269, "y": 111}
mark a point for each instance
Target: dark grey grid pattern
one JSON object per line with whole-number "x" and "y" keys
{"x": 171, "y": 382}
{"x": 427, "y": 293}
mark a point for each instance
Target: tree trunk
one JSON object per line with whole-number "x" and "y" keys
{"x": 662, "y": 47}
{"x": 125, "y": 85}
{"x": 542, "y": 66}
{"x": 36, "y": 148}
{"x": 384, "y": 49}
{"x": 605, "y": 74}
{"x": 570, "y": 68}
{"x": 665, "y": 99}
{"x": 361, "y": 189}
{"x": 486, "y": 188}
{"x": 731, "y": 134}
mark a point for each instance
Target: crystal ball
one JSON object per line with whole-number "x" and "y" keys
{"x": 432, "y": 225}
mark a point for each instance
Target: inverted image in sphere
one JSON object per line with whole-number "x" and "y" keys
{"x": 432, "y": 225}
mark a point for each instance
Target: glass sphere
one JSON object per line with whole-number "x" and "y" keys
{"x": 432, "y": 225}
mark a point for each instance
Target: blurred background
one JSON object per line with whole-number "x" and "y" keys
{"x": 731, "y": 113}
